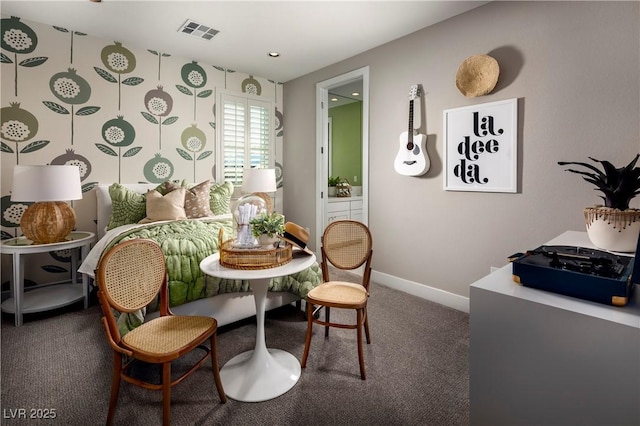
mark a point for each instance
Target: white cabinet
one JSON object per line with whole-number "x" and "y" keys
{"x": 539, "y": 358}
{"x": 356, "y": 210}
{"x": 338, "y": 211}
{"x": 344, "y": 208}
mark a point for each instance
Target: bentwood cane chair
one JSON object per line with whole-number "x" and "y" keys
{"x": 347, "y": 245}
{"x": 130, "y": 275}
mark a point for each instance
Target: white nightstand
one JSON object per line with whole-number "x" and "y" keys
{"x": 45, "y": 297}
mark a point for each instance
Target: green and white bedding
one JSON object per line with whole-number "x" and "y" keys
{"x": 185, "y": 243}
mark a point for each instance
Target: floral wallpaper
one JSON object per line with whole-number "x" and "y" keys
{"x": 121, "y": 113}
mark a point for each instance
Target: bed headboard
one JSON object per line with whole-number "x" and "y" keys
{"x": 103, "y": 201}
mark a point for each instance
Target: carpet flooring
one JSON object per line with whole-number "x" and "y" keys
{"x": 417, "y": 371}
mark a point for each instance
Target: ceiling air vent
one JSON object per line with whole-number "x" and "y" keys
{"x": 198, "y": 30}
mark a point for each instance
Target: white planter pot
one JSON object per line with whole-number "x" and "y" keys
{"x": 332, "y": 191}
{"x": 267, "y": 242}
{"x": 613, "y": 230}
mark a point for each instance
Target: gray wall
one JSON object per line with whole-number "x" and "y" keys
{"x": 575, "y": 69}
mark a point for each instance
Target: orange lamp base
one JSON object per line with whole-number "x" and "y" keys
{"x": 48, "y": 222}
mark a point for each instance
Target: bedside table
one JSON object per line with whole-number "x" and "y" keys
{"x": 46, "y": 296}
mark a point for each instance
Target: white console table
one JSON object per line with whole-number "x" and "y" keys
{"x": 540, "y": 358}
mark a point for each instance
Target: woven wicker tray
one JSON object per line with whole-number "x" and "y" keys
{"x": 241, "y": 258}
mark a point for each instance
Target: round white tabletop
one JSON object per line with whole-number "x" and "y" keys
{"x": 211, "y": 266}
{"x": 260, "y": 374}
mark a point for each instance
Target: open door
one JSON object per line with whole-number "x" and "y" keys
{"x": 323, "y": 127}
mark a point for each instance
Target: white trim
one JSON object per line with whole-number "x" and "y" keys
{"x": 322, "y": 90}
{"x": 321, "y": 166}
{"x": 436, "y": 295}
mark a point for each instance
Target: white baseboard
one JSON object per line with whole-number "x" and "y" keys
{"x": 436, "y": 295}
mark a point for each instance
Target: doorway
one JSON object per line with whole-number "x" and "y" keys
{"x": 323, "y": 135}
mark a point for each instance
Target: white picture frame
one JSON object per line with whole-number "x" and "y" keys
{"x": 481, "y": 147}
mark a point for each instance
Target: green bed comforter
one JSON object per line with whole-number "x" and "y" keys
{"x": 185, "y": 243}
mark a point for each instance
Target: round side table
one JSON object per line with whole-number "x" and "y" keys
{"x": 45, "y": 297}
{"x": 260, "y": 374}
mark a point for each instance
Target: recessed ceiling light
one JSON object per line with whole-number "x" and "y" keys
{"x": 355, "y": 94}
{"x": 334, "y": 99}
{"x": 273, "y": 54}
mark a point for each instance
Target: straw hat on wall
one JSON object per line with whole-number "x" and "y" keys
{"x": 477, "y": 75}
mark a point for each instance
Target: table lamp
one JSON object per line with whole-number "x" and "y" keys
{"x": 50, "y": 219}
{"x": 256, "y": 183}
{"x": 260, "y": 182}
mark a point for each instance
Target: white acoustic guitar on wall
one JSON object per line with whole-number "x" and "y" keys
{"x": 412, "y": 158}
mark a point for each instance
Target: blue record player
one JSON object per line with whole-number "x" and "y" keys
{"x": 581, "y": 272}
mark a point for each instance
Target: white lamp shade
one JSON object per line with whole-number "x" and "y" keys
{"x": 46, "y": 183}
{"x": 259, "y": 180}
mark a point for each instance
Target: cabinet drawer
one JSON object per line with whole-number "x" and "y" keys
{"x": 332, "y": 217}
{"x": 356, "y": 205}
{"x": 337, "y": 207}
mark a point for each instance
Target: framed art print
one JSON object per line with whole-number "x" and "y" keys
{"x": 480, "y": 147}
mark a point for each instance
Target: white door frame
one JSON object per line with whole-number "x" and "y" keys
{"x": 322, "y": 120}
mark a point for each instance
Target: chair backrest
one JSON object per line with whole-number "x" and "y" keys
{"x": 131, "y": 274}
{"x": 347, "y": 245}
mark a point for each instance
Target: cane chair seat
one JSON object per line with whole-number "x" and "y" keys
{"x": 347, "y": 245}
{"x": 130, "y": 276}
{"x": 167, "y": 337}
{"x": 339, "y": 294}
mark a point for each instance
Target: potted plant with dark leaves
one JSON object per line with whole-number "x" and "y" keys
{"x": 267, "y": 228}
{"x": 613, "y": 226}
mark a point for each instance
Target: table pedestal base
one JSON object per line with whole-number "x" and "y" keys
{"x": 259, "y": 376}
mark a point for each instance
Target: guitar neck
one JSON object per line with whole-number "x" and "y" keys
{"x": 410, "y": 132}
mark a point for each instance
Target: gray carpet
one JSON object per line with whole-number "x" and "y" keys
{"x": 417, "y": 371}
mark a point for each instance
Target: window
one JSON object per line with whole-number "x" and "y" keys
{"x": 245, "y": 129}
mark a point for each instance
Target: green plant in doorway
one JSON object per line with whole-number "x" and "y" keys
{"x": 333, "y": 181}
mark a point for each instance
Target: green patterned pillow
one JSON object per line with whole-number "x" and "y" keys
{"x": 220, "y": 197}
{"x": 127, "y": 206}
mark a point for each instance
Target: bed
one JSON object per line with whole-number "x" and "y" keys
{"x": 185, "y": 242}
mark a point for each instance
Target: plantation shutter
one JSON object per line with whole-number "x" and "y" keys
{"x": 246, "y": 131}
